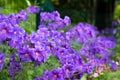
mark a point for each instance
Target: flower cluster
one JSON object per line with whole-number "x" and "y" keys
{"x": 50, "y": 39}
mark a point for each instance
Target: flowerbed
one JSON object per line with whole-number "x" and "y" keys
{"x": 78, "y": 51}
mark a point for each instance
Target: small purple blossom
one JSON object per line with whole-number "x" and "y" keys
{"x": 68, "y": 70}
{"x": 113, "y": 66}
{"x": 33, "y": 9}
{"x": 67, "y": 20}
{"x": 2, "y": 57}
{"x": 23, "y": 15}
{"x": 56, "y": 74}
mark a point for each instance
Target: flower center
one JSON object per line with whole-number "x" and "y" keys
{"x": 4, "y": 31}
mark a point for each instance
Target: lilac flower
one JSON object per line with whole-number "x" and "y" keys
{"x": 69, "y": 59}
{"x": 60, "y": 40}
{"x": 17, "y": 32}
{"x": 60, "y": 23}
{"x": 23, "y": 15}
{"x": 3, "y": 18}
{"x": 33, "y": 9}
{"x": 69, "y": 36}
{"x": 52, "y": 26}
{"x": 110, "y": 44}
{"x": 67, "y": 20}
{"x": 119, "y": 21}
{"x": 51, "y": 46}
{"x": 90, "y": 68}
{"x": 16, "y": 43}
{"x": 62, "y": 52}
{"x": 46, "y": 75}
{"x": 25, "y": 54}
{"x": 90, "y": 32}
{"x": 55, "y": 34}
{"x": 14, "y": 67}
{"x": 84, "y": 51}
{"x": 14, "y": 19}
{"x": 38, "y": 78}
{"x": 114, "y": 23}
{"x": 80, "y": 68}
{"x": 68, "y": 70}
{"x": 45, "y": 16}
{"x": 55, "y": 50}
{"x": 39, "y": 54}
{"x": 43, "y": 32}
{"x": 2, "y": 57}
{"x": 113, "y": 66}
{"x": 56, "y": 74}
{"x": 81, "y": 39}
{"x": 6, "y": 30}
{"x": 55, "y": 15}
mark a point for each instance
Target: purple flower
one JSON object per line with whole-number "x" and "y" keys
{"x": 62, "y": 52}
{"x": 55, "y": 50}
{"x": 110, "y": 44}
{"x": 3, "y": 18}
{"x": 14, "y": 19}
{"x": 5, "y": 30}
{"x": 45, "y": 16}
{"x": 14, "y": 67}
{"x": 68, "y": 70}
{"x": 38, "y": 54}
{"x": 25, "y": 54}
{"x": 46, "y": 75}
{"x": 55, "y": 15}
{"x": 114, "y": 23}
{"x": 81, "y": 39}
{"x": 84, "y": 51}
{"x": 119, "y": 21}
{"x": 56, "y": 74}
{"x": 81, "y": 68}
{"x": 67, "y": 20}
{"x": 38, "y": 78}
{"x": 43, "y": 32}
{"x": 90, "y": 32}
{"x": 69, "y": 59}
{"x": 113, "y": 66}
{"x": 89, "y": 68}
{"x": 17, "y": 32}
{"x": 23, "y": 15}
{"x": 2, "y": 57}
{"x": 69, "y": 36}
{"x": 60, "y": 23}
{"x": 52, "y": 26}
{"x": 33, "y": 9}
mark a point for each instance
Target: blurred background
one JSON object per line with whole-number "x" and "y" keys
{"x": 98, "y": 12}
{"x": 77, "y": 10}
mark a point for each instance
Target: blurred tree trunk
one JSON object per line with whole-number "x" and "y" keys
{"x": 45, "y": 5}
{"x": 62, "y": 2}
{"x": 104, "y": 13}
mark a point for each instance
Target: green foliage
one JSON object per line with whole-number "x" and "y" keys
{"x": 16, "y": 5}
{"x": 109, "y": 76}
{"x": 6, "y": 49}
{"x": 30, "y": 71}
{"x": 76, "y": 46}
{"x": 30, "y": 25}
{"x": 4, "y": 75}
{"x": 117, "y": 12}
